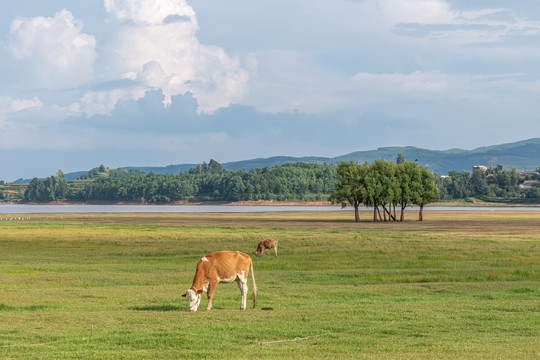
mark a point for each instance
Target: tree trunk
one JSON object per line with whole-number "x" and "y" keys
{"x": 389, "y": 212}
{"x": 402, "y": 216}
{"x": 374, "y": 214}
{"x": 379, "y": 212}
{"x": 392, "y": 216}
{"x": 420, "y": 214}
{"x": 356, "y": 214}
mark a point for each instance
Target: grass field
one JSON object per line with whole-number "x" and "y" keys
{"x": 460, "y": 285}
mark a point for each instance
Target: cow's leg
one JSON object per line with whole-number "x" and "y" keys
{"x": 275, "y": 250}
{"x": 211, "y": 289}
{"x": 242, "y": 284}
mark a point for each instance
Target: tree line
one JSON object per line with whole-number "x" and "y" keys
{"x": 490, "y": 184}
{"x": 48, "y": 189}
{"x": 288, "y": 182}
{"x": 206, "y": 182}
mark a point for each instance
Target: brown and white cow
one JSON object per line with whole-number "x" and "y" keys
{"x": 224, "y": 267}
{"x": 266, "y": 244}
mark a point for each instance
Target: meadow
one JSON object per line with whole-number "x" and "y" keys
{"x": 460, "y": 285}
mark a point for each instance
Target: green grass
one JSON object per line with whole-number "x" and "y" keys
{"x": 461, "y": 285}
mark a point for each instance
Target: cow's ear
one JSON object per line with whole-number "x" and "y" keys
{"x": 199, "y": 292}
{"x": 184, "y": 295}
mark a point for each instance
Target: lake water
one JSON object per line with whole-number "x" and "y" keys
{"x": 81, "y": 208}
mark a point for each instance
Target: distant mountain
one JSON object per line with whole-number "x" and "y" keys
{"x": 523, "y": 155}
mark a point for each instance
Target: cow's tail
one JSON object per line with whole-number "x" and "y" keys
{"x": 254, "y": 285}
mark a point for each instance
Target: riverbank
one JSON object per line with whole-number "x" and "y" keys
{"x": 456, "y": 203}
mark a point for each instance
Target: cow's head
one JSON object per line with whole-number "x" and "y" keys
{"x": 194, "y": 299}
{"x": 258, "y": 251}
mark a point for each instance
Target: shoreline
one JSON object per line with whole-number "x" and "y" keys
{"x": 474, "y": 203}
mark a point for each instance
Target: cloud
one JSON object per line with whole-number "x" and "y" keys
{"x": 10, "y": 109}
{"x": 436, "y": 20}
{"x": 58, "y": 53}
{"x": 157, "y": 46}
{"x": 27, "y": 124}
{"x": 103, "y": 101}
{"x": 149, "y": 12}
{"x": 416, "y": 11}
{"x": 9, "y": 105}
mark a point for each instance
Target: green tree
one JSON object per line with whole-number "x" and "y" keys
{"x": 479, "y": 183}
{"x": 61, "y": 189}
{"x": 459, "y": 187}
{"x": 349, "y": 189}
{"x": 408, "y": 175}
{"x": 201, "y": 169}
{"x": 428, "y": 192}
{"x": 214, "y": 167}
{"x": 533, "y": 193}
{"x": 382, "y": 188}
{"x": 31, "y": 193}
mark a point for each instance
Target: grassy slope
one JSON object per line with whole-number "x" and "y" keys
{"x": 460, "y": 285}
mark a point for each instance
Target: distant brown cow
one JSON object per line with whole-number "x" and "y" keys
{"x": 221, "y": 266}
{"x": 266, "y": 244}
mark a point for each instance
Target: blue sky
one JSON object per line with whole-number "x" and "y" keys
{"x": 159, "y": 82}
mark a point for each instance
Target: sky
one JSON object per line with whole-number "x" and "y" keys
{"x": 160, "y": 82}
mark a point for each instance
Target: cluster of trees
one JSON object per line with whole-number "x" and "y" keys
{"x": 493, "y": 183}
{"x": 150, "y": 188}
{"x": 384, "y": 185}
{"x": 11, "y": 191}
{"x": 295, "y": 182}
{"x": 48, "y": 189}
{"x": 533, "y": 190}
{"x": 101, "y": 171}
{"x": 125, "y": 173}
{"x": 94, "y": 173}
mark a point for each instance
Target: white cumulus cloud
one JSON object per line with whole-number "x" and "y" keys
{"x": 58, "y": 52}
{"x": 157, "y": 45}
{"x": 149, "y": 12}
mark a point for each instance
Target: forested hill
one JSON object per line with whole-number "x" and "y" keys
{"x": 522, "y": 155}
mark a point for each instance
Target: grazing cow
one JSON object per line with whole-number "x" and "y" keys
{"x": 266, "y": 244}
{"x": 221, "y": 266}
